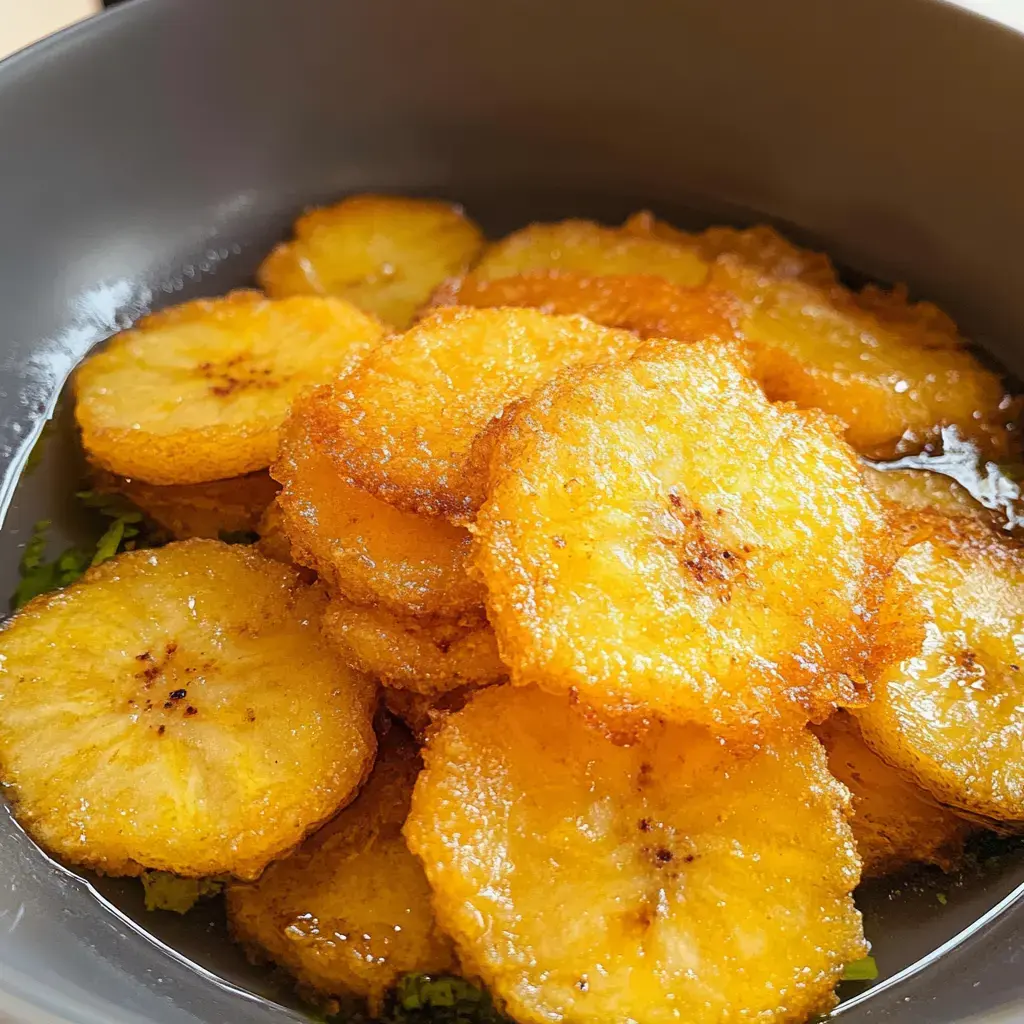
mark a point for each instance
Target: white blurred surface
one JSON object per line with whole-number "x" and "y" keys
{"x": 24, "y": 21}
{"x": 1011, "y": 12}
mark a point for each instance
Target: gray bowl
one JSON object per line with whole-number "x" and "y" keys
{"x": 156, "y": 152}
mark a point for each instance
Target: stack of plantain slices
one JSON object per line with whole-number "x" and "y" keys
{"x": 572, "y": 651}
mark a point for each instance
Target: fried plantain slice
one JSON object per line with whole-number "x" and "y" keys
{"x": 671, "y": 880}
{"x": 414, "y": 654}
{"x": 349, "y": 913}
{"x": 895, "y": 823}
{"x": 177, "y": 709}
{"x": 895, "y": 372}
{"x": 212, "y": 510}
{"x": 582, "y": 245}
{"x": 948, "y": 710}
{"x": 365, "y": 549}
{"x": 761, "y": 247}
{"x": 411, "y": 424}
{"x": 386, "y": 254}
{"x": 198, "y": 392}
{"x": 650, "y": 306}
{"x": 660, "y": 538}
{"x": 895, "y": 384}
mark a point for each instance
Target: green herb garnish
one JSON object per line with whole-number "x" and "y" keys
{"x": 39, "y": 576}
{"x": 430, "y": 999}
{"x": 864, "y": 969}
{"x": 123, "y": 533}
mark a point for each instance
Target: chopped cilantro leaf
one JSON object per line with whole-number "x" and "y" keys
{"x": 39, "y": 576}
{"x": 126, "y": 530}
{"x": 864, "y": 969}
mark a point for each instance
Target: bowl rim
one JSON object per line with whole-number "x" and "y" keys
{"x": 23, "y": 62}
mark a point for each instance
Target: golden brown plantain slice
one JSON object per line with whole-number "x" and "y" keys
{"x": 415, "y": 654}
{"x": 661, "y": 538}
{"x": 582, "y": 245}
{"x": 894, "y": 371}
{"x": 671, "y": 880}
{"x": 411, "y": 424}
{"x": 894, "y": 823}
{"x": 349, "y": 912}
{"x": 895, "y": 384}
{"x": 211, "y": 510}
{"x": 177, "y": 709}
{"x": 760, "y": 246}
{"x": 365, "y": 549}
{"x": 198, "y": 392}
{"x": 949, "y": 695}
{"x": 384, "y": 253}
{"x": 650, "y": 306}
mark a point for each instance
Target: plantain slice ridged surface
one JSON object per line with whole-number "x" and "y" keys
{"x": 659, "y": 538}
{"x": 948, "y": 710}
{"x": 760, "y": 246}
{"x": 650, "y": 306}
{"x": 673, "y": 880}
{"x": 893, "y": 371}
{"x": 210, "y": 510}
{"x": 198, "y": 392}
{"x": 365, "y": 549}
{"x": 413, "y": 654}
{"x": 177, "y": 709}
{"x": 581, "y": 245}
{"x": 349, "y": 913}
{"x": 894, "y": 822}
{"x": 410, "y": 425}
{"x": 385, "y": 254}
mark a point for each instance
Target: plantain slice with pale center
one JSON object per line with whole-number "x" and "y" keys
{"x": 386, "y": 254}
{"x": 198, "y": 392}
{"x": 948, "y": 710}
{"x": 178, "y": 710}
{"x": 661, "y": 539}
{"x": 672, "y": 880}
